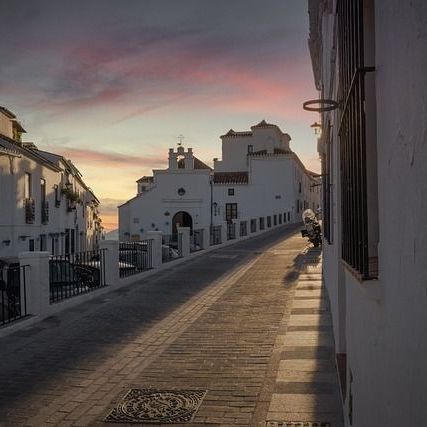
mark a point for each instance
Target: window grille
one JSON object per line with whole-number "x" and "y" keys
{"x": 352, "y": 134}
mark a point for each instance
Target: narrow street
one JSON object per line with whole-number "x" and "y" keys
{"x": 212, "y": 325}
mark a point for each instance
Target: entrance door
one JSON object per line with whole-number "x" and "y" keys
{"x": 182, "y": 219}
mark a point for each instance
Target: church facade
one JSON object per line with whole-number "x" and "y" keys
{"x": 259, "y": 181}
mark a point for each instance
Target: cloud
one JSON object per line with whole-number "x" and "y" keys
{"x": 110, "y": 159}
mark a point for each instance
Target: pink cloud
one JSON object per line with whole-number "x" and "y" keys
{"x": 112, "y": 160}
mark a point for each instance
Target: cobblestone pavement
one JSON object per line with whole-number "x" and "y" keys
{"x": 210, "y": 323}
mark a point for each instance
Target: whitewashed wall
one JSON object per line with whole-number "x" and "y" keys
{"x": 12, "y": 211}
{"x": 381, "y": 325}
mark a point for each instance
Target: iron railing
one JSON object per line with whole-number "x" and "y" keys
{"x": 13, "y": 293}
{"x": 231, "y": 231}
{"x": 196, "y": 240}
{"x": 30, "y": 210}
{"x": 45, "y": 212}
{"x": 215, "y": 235}
{"x": 352, "y": 134}
{"x": 171, "y": 247}
{"x": 243, "y": 228}
{"x": 253, "y": 225}
{"x": 75, "y": 274}
{"x": 135, "y": 257}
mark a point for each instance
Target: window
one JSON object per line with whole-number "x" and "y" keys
{"x": 280, "y": 218}
{"x": 289, "y": 216}
{"x": 27, "y": 186}
{"x": 327, "y": 179}
{"x": 250, "y": 148}
{"x": 275, "y": 219}
{"x": 231, "y": 191}
{"x": 269, "y": 221}
{"x": 43, "y": 190}
{"x": 230, "y": 211}
{"x": 261, "y": 223}
{"x": 31, "y": 245}
{"x": 57, "y": 196}
{"x": 73, "y": 241}
{"x": 299, "y": 187}
{"x": 43, "y": 242}
{"x": 284, "y": 217}
{"x": 359, "y": 199}
{"x": 67, "y": 241}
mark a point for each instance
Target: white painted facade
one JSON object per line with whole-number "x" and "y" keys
{"x": 44, "y": 203}
{"x": 258, "y": 174}
{"x": 380, "y": 324}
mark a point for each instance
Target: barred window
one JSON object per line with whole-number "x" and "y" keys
{"x": 359, "y": 210}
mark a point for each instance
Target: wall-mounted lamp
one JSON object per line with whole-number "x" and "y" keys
{"x": 317, "y": 128}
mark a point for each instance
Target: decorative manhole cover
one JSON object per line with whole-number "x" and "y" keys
{"x": 297, "y": 424}
{"x": 157, "y": 406}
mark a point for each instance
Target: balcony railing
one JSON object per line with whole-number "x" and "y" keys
{"x": 45, "y": 212}
{"x": 243, "y": 228}
{"x": 171, "y": 247}
{"x": 215, "y": 235}
{"x": 13, "y": 293}
{"x": 135, "y": 257}
{"x": 231, "y": 231}
{"x": 30, "y": 210}
{"x": 196, "y": 241}
{"x": 75, "y": 274}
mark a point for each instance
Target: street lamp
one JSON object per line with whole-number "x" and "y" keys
{"x": 317, "y": 128}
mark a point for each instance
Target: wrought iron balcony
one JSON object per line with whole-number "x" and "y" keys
{"x": 30, "y": 210}
{"x": 45, "y": 212}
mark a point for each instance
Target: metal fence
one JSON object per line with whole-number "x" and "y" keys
{"x": 243, "y": 228}
{"x": 196, "y": 241}
{"x": 135, "y": 257}
{"x": 75, "y": 274}
{"x": 215, "y": 235}
{"x": 13, "y": 293}
{"x": 171, "y": 247}
{"x": 231, "y": 231}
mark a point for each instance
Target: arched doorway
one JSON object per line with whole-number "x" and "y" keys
{"x": 183, "y": 219}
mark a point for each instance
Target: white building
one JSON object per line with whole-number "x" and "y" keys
{"x": 44, "y": 203}
{"x": 370, "y": 57}
{"x": 259, "y": 179}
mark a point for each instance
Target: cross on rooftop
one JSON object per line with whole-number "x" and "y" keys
{"x": 180, "y": 137}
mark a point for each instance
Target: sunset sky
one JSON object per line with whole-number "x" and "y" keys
{"x": 110, "y": 84}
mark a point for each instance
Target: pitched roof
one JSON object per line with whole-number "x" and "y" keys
{"x": 7, "y": 112}
{"x": 7, "y": 149}
{"x": 231, "y": 177}
{"x": 264, "y": 152}
{"x": 146, "y": 179}
{"x": 198, "y": 164}
{"x": 233, "y": 133}
{"x": 263, "y": 124}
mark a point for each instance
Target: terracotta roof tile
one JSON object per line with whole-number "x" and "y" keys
{"x": 231, "y": 178}
{"x": 146, "y": 179}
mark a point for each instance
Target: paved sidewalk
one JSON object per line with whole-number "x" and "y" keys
{"x": 211, "y": 323}
{"x": 306, "y": 386}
